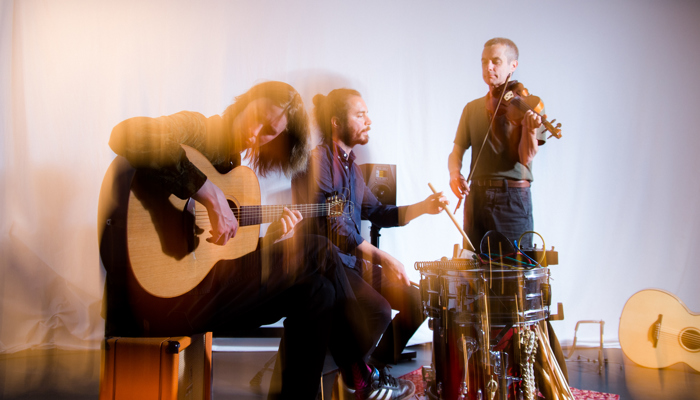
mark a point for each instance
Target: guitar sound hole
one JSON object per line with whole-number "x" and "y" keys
{"x": 235, "y": 209}
{"x": 690, "y": 339}
{"x": 233, "y": 206}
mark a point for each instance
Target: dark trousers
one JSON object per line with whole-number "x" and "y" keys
{"x": 301, "y": 283}
{"x": 505, "y": 209}
{"x": 359, "y": 327}
{"x": 407, "y": 301}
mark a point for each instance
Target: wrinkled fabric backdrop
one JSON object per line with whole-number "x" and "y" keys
{"x": 616, "y": 196}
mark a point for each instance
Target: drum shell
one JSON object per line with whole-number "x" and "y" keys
{"x": 469, "y": 301}
{"x": 430, "y": 293}
{"x": 500, "y": 294}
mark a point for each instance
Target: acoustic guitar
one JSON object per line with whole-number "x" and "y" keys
{"x": 166, "y": 236}
{"x": 658, "y": 330}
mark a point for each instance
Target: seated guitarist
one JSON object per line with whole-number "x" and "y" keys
{"x": 268, "y": 125}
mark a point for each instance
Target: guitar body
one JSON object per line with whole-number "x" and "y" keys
{"x": 658, "y": 330}
{"x": 164, "y": 241}
{"x": 169, "y": 254}
{"x": 162, "y": 238}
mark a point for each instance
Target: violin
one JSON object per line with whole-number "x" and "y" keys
{"x": 515, "y": 102}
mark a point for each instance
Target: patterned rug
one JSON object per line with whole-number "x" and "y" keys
{"x": 579, "y": 394}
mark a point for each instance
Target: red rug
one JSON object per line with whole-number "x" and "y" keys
{"x": 579, "y": 394}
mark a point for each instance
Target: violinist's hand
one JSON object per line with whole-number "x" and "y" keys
{"x": 527, "y": 149}
{"x": 224, "y": 224}
{"x": 532, "y": 121}
{"x": 459, "y": 185}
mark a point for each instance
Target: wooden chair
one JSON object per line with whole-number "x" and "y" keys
{"x": 165, "y": 368}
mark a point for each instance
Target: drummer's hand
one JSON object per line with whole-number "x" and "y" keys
{"x": 395, "y": 268}
{"x": 435, "y": 203}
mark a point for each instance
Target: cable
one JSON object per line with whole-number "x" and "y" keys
{"x": 544, "y": 248}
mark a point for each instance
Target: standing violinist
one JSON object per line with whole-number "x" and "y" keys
{"x": 499, "y": 198}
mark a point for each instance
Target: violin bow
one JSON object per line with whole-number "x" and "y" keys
{"x": 486, "y": 137}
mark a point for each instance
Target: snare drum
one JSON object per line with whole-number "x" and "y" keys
{"x": 506, "y": 296}
{"x": 478, "y": 317}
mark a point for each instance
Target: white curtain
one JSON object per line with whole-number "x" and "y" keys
{"x": 616, "y": 196}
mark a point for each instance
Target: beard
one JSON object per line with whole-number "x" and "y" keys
{"x": 352, "y": 139}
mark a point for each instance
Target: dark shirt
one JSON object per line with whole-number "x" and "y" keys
{"x": 494, "y": 162}
{"x": 328, "y": 175}
{"x": 153, "y": 146}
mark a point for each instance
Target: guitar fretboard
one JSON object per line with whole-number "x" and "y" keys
{"x": 256, "y": 215}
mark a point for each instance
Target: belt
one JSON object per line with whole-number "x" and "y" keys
{"x": 499, "y": 183}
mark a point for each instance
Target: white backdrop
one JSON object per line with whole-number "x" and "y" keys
{"x": 616, "y": 196}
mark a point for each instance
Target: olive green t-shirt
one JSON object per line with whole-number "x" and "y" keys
{"x": 496, "y": 160}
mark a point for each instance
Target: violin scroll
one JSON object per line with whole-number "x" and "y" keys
{"x": 553, "y": 129}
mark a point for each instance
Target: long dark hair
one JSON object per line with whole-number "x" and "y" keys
{"x": 288, "y": 152}
{"x": 335, "y": 104}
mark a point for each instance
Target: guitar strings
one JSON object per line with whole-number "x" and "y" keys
{"x": 270, "y": 211}
{"x": 671, "y": 334}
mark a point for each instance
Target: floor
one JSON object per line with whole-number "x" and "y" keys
{"x": 74, "y": 375}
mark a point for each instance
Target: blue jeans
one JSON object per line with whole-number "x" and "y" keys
{"x": 507, "y": 210}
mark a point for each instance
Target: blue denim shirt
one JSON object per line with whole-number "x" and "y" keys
{"x": 332, "y": 171}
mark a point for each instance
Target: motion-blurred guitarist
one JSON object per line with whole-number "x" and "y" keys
{"x": 294, "y": 278}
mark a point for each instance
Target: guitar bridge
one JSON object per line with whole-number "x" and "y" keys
{"x": 655, "y": 331}
{"x": 189, "y": 225}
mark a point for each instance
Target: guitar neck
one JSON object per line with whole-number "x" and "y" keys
{"x": 258, "y": 214}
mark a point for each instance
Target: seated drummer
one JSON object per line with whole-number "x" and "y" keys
{"x": 379, "y": 281}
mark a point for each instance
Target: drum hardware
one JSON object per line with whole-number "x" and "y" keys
{"x": 492, "y": 385}
{"x": 487, "y": 331}
{"x": 503, "y": 376}
{"x": 428, "y": 374}
{"x": 468, "y": 347}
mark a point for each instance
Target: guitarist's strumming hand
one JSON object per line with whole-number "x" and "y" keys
{"x": 224, "y": 224}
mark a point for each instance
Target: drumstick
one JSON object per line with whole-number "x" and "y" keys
{"x": 500, "y": 251}
{"x": 452, "y": 217}
{"x": 488, "y": 241}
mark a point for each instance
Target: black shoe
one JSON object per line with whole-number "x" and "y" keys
{"x": 382, "y": 386}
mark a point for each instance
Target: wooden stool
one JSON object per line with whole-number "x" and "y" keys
{"x": 156, "y": 368}
{"x": 600, "y": 348}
